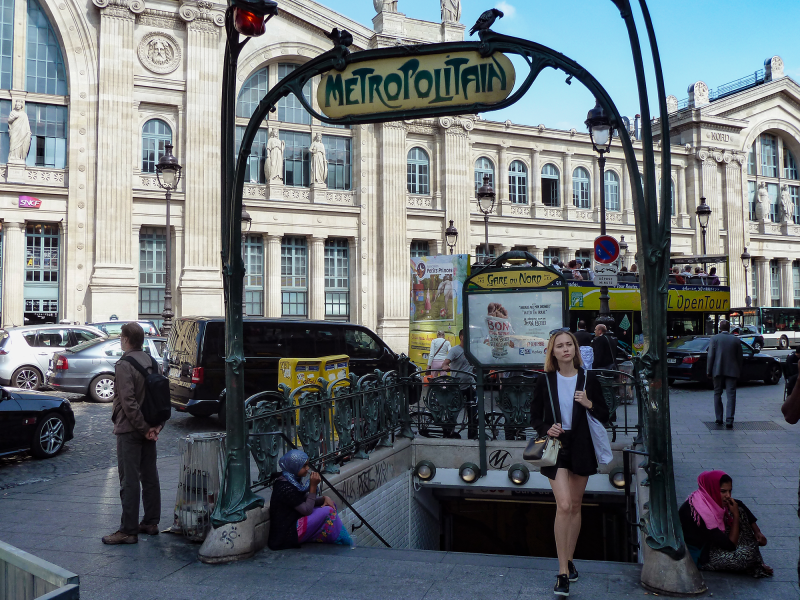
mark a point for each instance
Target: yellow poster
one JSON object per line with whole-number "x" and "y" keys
{"x": 684, "y": 299}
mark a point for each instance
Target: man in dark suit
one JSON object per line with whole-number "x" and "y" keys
{"x": 584, "y": 337}
{"x": 605, "y": 348}
{"x": 725, "y": 365}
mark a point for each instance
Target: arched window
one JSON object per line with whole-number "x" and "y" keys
{"x": 289, "y": 108}
{"x": 45, "y": 72}
{"x": 518, "y": 183}
{"x": 6, "y": 44}
{"x": 769, "y": 155}
{"x": 251, "y": 93}
{"x": 550, "y": 185}
{"x": 612, "y": 190}
{"x": 417, "y": 171}
{"x": 483, "y": 166}
{"x": 155, "y": 135}
{"x": 789, "y": 164}
{"x": 581, "y": 190}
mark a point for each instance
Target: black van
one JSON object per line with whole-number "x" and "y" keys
{"x": 196, "y": 355}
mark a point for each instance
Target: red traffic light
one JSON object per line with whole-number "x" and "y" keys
{"x": 248, "y": 23}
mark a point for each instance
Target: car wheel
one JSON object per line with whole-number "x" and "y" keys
{"x": 773, "y": 375}
{"x": 222, "y": 415}
{"x": 102, "y": 388}
{"x": 48, "y": 440}
{"x": 783, "y": 343}
{"x": 27, "y": 378}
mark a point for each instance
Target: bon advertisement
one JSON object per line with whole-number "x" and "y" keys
{"x": 512, "y": 328}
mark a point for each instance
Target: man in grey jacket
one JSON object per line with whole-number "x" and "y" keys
{"x": 136, "y": 444}
{"x": 725, "y": 365}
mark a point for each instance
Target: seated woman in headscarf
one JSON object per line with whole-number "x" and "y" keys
{"x": 296, "y": 514}
{"x": 721, "y": 533}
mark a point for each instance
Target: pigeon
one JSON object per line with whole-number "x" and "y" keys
{"x": 486, "y": 20}
{"x": 340, "y": 38}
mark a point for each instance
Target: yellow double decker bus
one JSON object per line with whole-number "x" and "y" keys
{"x": 696, "y": 303}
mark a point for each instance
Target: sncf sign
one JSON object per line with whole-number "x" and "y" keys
{"x": 29, "y": 202}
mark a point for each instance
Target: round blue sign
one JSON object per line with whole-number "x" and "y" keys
{"x": 606, "y": 249}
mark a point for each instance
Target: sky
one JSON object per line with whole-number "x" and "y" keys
{"x": 715, "y": 41}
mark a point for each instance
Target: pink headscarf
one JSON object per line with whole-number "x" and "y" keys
{"x": 706, "y": 501}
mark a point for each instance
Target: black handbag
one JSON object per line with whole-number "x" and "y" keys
{"x": 543, "y": 451}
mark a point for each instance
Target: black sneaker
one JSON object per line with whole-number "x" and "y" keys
{"x": 573, "y": 572}
{"x": 562, "y": 586}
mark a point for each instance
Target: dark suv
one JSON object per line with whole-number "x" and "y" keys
{"x": 196, "y": 355}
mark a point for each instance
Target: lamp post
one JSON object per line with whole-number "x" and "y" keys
{"x": 623, "y": 250}
{"x": 451, "y": 236}
{"x": 168, "y": 175}
{"x": 486, "y": 198}
{"x": 601, "y": 134}
{"x": 703, "y": 213}
{"x": 746, "y": 263}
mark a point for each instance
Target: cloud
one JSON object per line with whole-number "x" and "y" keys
{"x": 508, "y": 9}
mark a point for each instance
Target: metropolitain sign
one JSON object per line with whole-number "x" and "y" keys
{"x": 401, "y": 84}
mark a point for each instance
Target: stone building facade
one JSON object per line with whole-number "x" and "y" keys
{"x": 105, "y": 84}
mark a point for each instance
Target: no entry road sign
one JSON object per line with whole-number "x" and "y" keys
{"x": 606, "y": 249}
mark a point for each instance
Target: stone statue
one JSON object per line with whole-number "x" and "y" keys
{"x": 451, "y": 11}
{"x": 19, "y": 134}
{"x": 319, "y": 162}
{"x": 273, "y": 166}
{"x": 762, "y": 202}
{"x": 787, "y": 206}
{"x": 385, "y": 5}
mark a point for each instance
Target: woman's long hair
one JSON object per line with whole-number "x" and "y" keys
{"x": 550, "y": 361}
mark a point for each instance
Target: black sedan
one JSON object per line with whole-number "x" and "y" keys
{"x": 749, "y": 334}
{"x": 687, "y": 358}
{"x": 34, "y": 421}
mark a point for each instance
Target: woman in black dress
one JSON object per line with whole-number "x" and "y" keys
{"x": 575, "y": 395}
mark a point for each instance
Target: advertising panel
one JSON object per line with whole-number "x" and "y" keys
{"x": 436, "y": 302}
{"x": 680, "y": 299}
{"x": 512, "y": 328}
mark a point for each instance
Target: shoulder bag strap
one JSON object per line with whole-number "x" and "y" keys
{"x": 550, "y": 395}
{"x": 435, "y": 354}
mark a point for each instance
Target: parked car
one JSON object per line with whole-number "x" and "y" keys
{"x": 749, "y": 334}
{"x": 687, "y": 358}
{"x": 34, "y": 421}
{"x": 88, "y": 368}
{"x": 196, "y": 355}
{"x": 25, "y": 351}
{"x": 113, "y": 328}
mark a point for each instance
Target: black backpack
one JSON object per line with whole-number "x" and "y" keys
{"x": 156, "y": 407}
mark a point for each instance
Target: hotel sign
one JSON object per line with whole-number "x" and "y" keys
{"x": 423, "y": 82}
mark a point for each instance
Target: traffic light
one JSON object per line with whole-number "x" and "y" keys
{"x": 250, "y": 16}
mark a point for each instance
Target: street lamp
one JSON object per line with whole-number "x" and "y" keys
{"x": 746, "y": 263}
{"x": 248, "y": 16}
{"x": 623, "y": 250}
{"x": 601, "y": 134}
{"x": 486, "y": 198}
{"x": 168, "y": 175}
{"x": 703, "y": 213}
{"x": 451, "y": 236}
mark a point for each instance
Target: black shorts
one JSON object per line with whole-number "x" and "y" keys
{"x": 564, "y": 460}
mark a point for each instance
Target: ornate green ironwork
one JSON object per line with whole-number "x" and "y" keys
{"x": 444, "y": 399}
{"x": 515, "y": 401}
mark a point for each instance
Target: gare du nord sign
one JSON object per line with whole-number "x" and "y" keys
{"x": 403, "y": 83}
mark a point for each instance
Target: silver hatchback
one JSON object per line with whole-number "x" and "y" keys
{"x": 88, "y": 368}
{"x": 25, "y": 352}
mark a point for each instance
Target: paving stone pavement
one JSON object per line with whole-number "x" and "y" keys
{"x": 62, "y": 519}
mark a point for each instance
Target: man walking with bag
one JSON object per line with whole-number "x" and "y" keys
{"x": 136, "y": 442}
{"x": 725, "y": 365}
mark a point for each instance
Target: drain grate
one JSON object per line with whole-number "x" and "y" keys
{"x": 746, "y": 426}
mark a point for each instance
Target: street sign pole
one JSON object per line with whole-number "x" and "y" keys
{"x": 606, "y": 251}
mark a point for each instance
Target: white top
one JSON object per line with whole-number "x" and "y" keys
{"x": 566, "y": 398}
{"x": 439, "y": 349}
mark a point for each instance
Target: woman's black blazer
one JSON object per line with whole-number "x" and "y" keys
{"x": 542, "y": 416}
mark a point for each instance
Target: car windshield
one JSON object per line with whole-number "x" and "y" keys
{"x": 689, "y": 344}
{"x": 85, "y": 345}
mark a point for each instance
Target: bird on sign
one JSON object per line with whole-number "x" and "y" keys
{"x": 486, "y": 20}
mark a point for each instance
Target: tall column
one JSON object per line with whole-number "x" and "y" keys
{"x": 761, "y": 266}
{"x": 566, "y": 187}
{"x": 177, "y": 266}
{"x": 536, "y": 183}
{"x": 317, "y": 278}
{"x": 627, "y": 201}
{"x": 501, "y": 185}
{"x": 392, "y": 267}
{"x": 596, "y": 183}
{"x": 787, "y": 285}
{"x": 709, "y": 189}
{"x": 14, "y": 273}
{"x": 538, "y": 253}
{"x": 201, "y": 281}
{"x": 735, "y": 224}
{"x": 113, "y": 284}
{"x": 456, "y": 186}
{"x": 273, "y": 279}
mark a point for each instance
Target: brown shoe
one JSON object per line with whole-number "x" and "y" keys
{"x": 148, "y": 529}
{"x": 118, "y": 537}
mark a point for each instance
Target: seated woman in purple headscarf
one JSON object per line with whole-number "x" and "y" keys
{"x": 296, "y": 514}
